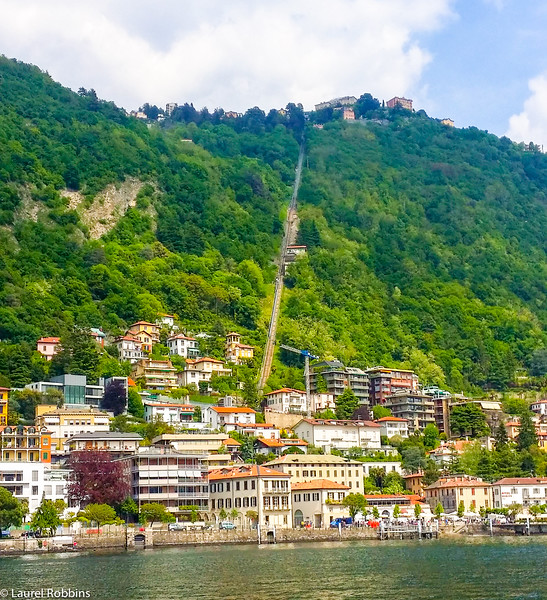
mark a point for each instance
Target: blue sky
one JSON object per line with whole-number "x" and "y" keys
{"x": 480, "y": 62}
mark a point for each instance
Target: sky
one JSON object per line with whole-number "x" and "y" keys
{"x": 481, "y": 63}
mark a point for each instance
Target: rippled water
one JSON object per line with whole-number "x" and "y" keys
{"x": 475, "y": 569}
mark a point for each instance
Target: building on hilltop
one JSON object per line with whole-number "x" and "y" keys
{"x": 335, "y": 102}
{"x": 184, "y": 346}
{"x": 348, "y": 114}
{"x": 447, "y": 122}
{"x": 147, "y": 333}
{"x": 170, "y": 107}
{"x": 158, "y": 375}
{"x": 235, "y": 351}
{"x": 252, "y": 487}
{"x": 399, "y": 102}
{"x": 48, "y": 346}
{"x": 129, "y": 348}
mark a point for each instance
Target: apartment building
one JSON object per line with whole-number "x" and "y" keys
{"x": 384, "y": 382}
{"x": 168, "y": 477}
{"x": 252, "y": 487}
{"x": 339, "y": 434}
{"x": 307, "y": 467}
{"x": 172, "y": 413}
{"x": 4, "y": 405}
{"x": 286, "y": 400}
{"x": 75, "y": 389}
{"x": 390, "y": 426}
{"x": 399, "y": 102}
{"x": 336, "y": 378}
{"x": 201, "y": 369}
{"x": 22, "y": 443}
{"x": 158, "y": 375}
{"x": 417, "y": 408}
{"x": 181, "y": 345}
{"x": 130, "y": 348}
{"x": 116, "y": 443}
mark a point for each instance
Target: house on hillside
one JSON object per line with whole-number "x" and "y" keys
{"x": 339, "y": 434}
{"x": 48, "y": 346}
{"x": 235, "y": 351}
{"x": 219, "y": 416}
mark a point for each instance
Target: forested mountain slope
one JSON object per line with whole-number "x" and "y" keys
{"x": 199, "y": 240}
{"x": 427, "y": 249}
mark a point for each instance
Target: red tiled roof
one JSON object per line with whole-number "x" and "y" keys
{"x": 230, "y": 442}
{"x": 271, "y": 443}
{"x": 143, "y": 323}
{"x": 49, "y": 340}
{"x": 521, "y": 481}
{"x": 208, "y": 359}
{"x": 456, "y": 483}
{"x": 414, "y": 498}
{"x": 232, "y": 409}
{"x": 319, "y": 484}
{"x": 256, "y": 425}
{"x": 3, "y": 389}
{"x": 285, "y": 390}
{"x": 170, "y": 405}
{"x": 131, "y": 383}
{"x": 181, "y": 336}
{"x": 244, "y": 471}
{"x": 383, "y": 419}
{"x": 341, "y": 422}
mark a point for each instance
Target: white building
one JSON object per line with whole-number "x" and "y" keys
{"x": 318, "y": 502}
{"x": 219, "y": 416}
{"x": 339, "y": 434}
{"x": 391, "y": 466}
{"x": 286, "y": 400}
{"x": 129, "y": 348}
{"x": 390, "y": 426}
{"x": 174, "y": 414}
{"x": 526, "y": 491}
{"x": 184, "y": 346}
{"x": 252, "y": 487}
{"x": 539, "y": 407}
{"x": 201, "y": 369}
{"x": 260, "y": 430}
{"x": 33, "y": 481}
{"x": 116, "y": 442}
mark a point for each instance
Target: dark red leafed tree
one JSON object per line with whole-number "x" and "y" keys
{"x": 97, "y": 479}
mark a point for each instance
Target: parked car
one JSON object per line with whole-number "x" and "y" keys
{"x": 226, "y": 525}
{"x": 187, "y": 526}
{"x": 28, "y": 534}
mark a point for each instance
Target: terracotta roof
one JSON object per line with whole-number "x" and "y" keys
{"x": 383, "y": 419}
{"x": 256, "y": 425}
{"x": 230, "y": 442}
{"x": 456, "y": 483}
{"x": 143, "y": 323}
{"x": 245, "y": 346}
{"x": 413, "y": 475}
{"x": 271, "y": 443}
{"x": 521, "y": 481}
{"x": 319, "y": 484}
{"x": 285, "y": 390}
{"x": 131, "y": 383}
{"x": 244, "y": 471}
{"x": 295, "y": 442}
{"x": 232, "y": 409}
{"x": 181, "y": 336}
{"x": 49, "y": 340}
{"x": 129, "y": 338}
{"x": 3, "y": 389}
{"x": 341, "y": 422}
{"x": 208, "y": 359}
{"x": 414, "y": 498}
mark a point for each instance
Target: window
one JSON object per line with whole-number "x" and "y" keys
{"x": 213, "y": 504}
{"x": 246, "y": 502}
{"x": 253, "y": 501}
{"x": 34, "y": 475}
{"x": 253, "y": 484}
{"x": 472, "y": 491}
{"x": 245, "y": 485}
{"x": 227, "y": 486}
{"x": 34, "y": 490}
{"x": 213, "y": 488}
{"x": 220, "y": 503}
{"x": 237, "y": 486}
{"x": 306, "y": 497}
{"x": 228, "y": 503}
{"x": 315, "y": 497}
{"x": 297, "y": 497}
{"x": 305, "y": 474}
{"x": 238, "y": 502}
{"x": 220, "y": 487}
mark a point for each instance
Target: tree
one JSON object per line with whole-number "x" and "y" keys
{"x": 501, "y": 437}
{"x": 461, "y": 509}
{"x": 431, "y": 472}
{"x": 155, "y": 512}
{"x": 485, "y": 466}
{"x": 377, "y": 474}
{"x": 379, "y": 411}
{"x": 96, "y": 478}
{"x": 375, "y": 512}
{"x": 396, "y": 511}
{"x": 393, "y": 483}
{"x": 431, "y": 437}
{"x": 413, "y": 459}
{"x": 321, "y": 384}
{"x": 513, "y": 510}
{"x": 127, "y": 507}
{"x": 222, "y": 514}
{"x": 526, "y": 436}
{"x": 98, "y": 513}
{"x": 439, "y": 510}
{"x": 115, "y": 398}
{"x": 417, "y": 510}
{"x": 355, "y": 503}
{"x": 196, "y": 417}
{"x": 135, "y": 406}
{"x": 468, "y": 419}
{"x": 538, "y": 362}
{"x": 234, "y": 514}
{"x": 78, "y": 355}
{"x": 346, "y": 404}
{"x": 46, "y": 518}
{"x": 11, "y": 511}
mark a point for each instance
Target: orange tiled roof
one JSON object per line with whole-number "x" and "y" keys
{"x": 232, "y": 409}
{"x": 49, "y": 340}
{"x": 245, "y": 471}
{"x": 230, "y": 442}
{"x": 285, "y": 390}
{"x": 383, "y": 419}
{"x": 522, "y": 481}
{"x": 319, "y": 484}
{"x": 256, "y": 425}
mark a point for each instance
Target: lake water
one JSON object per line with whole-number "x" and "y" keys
{"x": 477, "y": 569}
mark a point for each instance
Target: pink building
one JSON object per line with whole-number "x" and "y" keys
{"x": 48, "y": 346}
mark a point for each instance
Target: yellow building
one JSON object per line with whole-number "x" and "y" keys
{"x": 235, "y": 351}
{"x": 4, "y": 405}
{"x": 450, "y": 491}
{"x": 25, "y": 444}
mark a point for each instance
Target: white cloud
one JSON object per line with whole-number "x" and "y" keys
{"x": 235, "y": 54}
{"x": 531, "y": 124}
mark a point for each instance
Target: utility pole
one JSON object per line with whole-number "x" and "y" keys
{"x": 307, "y": 355}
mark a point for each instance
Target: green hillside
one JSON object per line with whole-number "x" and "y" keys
{"x": 426, "y": 243}
{"x": 428, "y": 249}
